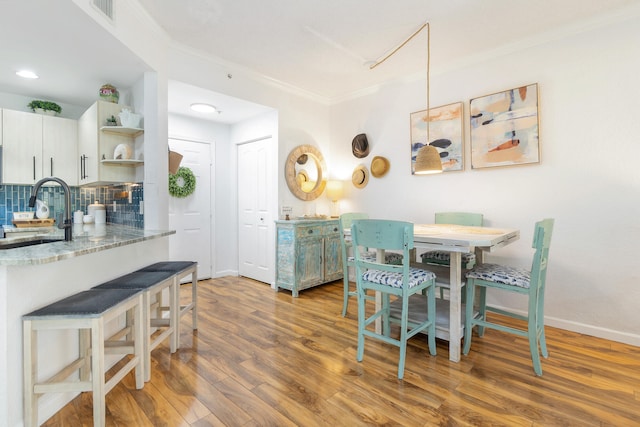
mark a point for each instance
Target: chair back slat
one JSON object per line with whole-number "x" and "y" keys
{"x": 382, "y": 234}
{"x": 541, "y": 243}
{"x": 460, "y": 218}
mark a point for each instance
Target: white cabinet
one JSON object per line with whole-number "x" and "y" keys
{"x": 36, "y": 146}
{"x": 97, "y": 144}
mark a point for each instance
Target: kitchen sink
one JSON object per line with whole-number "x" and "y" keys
{"x": 26, "y": 243}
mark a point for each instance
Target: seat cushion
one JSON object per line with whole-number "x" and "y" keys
{"x": 136, "y": 280}
{"x": 443, "y": 258}
{"x": 89, "y": 304}
{"x": 416, "y": 277}
{"x": 501, "y": 274}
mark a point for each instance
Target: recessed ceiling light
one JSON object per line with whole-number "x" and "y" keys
{"x": 27, "y": 74}
{"x": 204, "y": 108}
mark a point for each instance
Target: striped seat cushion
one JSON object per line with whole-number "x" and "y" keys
{"x": 416, "y": 277}
{"x": 501, "y": 274}
{"x": 443, "y": 258}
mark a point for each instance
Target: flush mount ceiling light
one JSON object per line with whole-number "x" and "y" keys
{"x": 204, "y": 108}
{"x": 27, "y": 74}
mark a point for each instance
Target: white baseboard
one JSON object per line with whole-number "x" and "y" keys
{"x": 582, "y": 328}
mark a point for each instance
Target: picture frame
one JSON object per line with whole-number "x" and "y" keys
{"x": 505, "y": 128}
{"x": 445, "y": 133}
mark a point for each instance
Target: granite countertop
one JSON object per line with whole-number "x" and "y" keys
{"x": 87, "y": 238}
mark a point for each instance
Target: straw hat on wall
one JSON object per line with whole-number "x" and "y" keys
{"x": 379, "y": 166}
{"x": 360, "y": 176}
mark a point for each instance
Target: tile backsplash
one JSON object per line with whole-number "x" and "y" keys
{"x": 122, "y": 202}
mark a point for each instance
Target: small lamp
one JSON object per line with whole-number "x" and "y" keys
{"x": 428, "y": 161}
{"x": 335, "y": 191}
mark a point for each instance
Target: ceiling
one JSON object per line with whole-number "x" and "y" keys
{"x": 322, "y": 48}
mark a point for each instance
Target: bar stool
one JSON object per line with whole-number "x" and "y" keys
{"x": 88, "y": 312}
{"x": 181, "y": 269}
{"x": 152, "y": 284}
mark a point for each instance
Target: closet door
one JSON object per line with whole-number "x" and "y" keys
{"x": 256, "y": 222}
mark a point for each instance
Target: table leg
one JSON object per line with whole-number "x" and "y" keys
{"x": 455, "y": 306}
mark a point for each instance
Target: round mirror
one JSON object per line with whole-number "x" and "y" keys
{"x": 303, "y": 172}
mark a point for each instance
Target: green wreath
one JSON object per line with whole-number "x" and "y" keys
{"x": 183, "y": 183}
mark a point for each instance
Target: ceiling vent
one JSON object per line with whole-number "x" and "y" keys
{"x": 105, "y": 6}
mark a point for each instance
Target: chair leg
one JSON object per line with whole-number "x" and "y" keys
{"x": 482, "y": 308}
{"x": 540, "y": 324}
{"x": 403, "y": 335}
{"x": 431, "y": 310}
{"x": 533, "y": 345}
{"x": 345, "y": 302}
{"x": 468, "y": 323}
{"x": 361, "y": 325}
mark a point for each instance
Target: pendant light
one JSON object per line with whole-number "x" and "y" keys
{"x": 428, "y": 159}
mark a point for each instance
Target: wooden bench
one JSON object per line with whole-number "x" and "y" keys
{"x": 180, "y": 270}
{"x": 88, "y": 312}
{"x": 136, "y": 296}
{"x": 152, "y": 284}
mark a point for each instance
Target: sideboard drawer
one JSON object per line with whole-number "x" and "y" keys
{"x": 308, "y": 231}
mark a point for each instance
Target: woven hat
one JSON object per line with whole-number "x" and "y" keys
{"x": 360, "y": 146}
{"x": 360, "y": 176}
{"x": 379, "y": 166}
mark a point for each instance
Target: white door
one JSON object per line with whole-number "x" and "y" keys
{"x": 255, "y": 245}
{"x": 191, "y": 216}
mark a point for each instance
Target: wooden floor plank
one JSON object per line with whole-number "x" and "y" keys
{"x": 263, "y": 358}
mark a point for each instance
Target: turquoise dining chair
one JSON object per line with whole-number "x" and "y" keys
{"x": 401, "y": 281}
{"x": 457, "y": 218}
{"x": 348, "y": 259}
{"x": 527, "y": 282}
{"x": 442, "y": 258}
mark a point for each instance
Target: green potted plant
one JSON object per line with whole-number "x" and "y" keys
{"x": 38, "y": 106}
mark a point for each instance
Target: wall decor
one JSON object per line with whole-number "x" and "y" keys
{"x": 445, "y": 134}
{"x": 504, "y": 128}
{"x": 183, "y": 183}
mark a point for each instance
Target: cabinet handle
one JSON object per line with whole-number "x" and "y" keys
{"x": 34, "y": 168}
{"x": 51, "y": 166}
{"x": 335, "y": 229}
{"x": 310, "y": 231}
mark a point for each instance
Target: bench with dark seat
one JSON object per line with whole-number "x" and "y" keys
{"x": 180, "y": 270}
{"x": 152, "y": 284}
{"x": 88, "y": 312}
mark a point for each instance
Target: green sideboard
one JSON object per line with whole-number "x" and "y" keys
{"x": 307, "y": 254}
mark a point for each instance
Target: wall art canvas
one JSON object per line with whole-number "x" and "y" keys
{"x": 504, "y": 128}
{"x": 445, "y": 133}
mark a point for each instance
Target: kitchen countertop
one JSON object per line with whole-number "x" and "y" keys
{"x": 87, "y": 238}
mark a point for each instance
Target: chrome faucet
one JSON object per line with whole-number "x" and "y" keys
{"x": 66, "y": 224}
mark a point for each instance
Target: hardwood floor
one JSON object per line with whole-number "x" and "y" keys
{"x": 261, "y": 358}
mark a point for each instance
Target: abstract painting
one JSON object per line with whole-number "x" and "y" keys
{"x": 504, "y": 128}
{"x": 445, "y": 134}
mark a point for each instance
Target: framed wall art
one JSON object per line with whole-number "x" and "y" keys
{"x": 445, "y": 134}
{"x": 504, "y": 128}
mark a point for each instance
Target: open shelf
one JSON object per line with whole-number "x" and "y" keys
{"x": 133, "y": 132}
{"x": 121, "y": 162}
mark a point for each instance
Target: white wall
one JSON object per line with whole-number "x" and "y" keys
{"x": 588, "y": 178}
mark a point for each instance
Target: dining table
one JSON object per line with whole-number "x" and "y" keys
{"x": 455, "y": 239}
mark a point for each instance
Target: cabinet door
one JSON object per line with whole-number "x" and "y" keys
{"x": 88, "y": 146}
{"x": 309, "y": 262}
{"x": 22, "y": 142}
{"x": 332, "y": 258}
{"x": 60, "y": 149}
